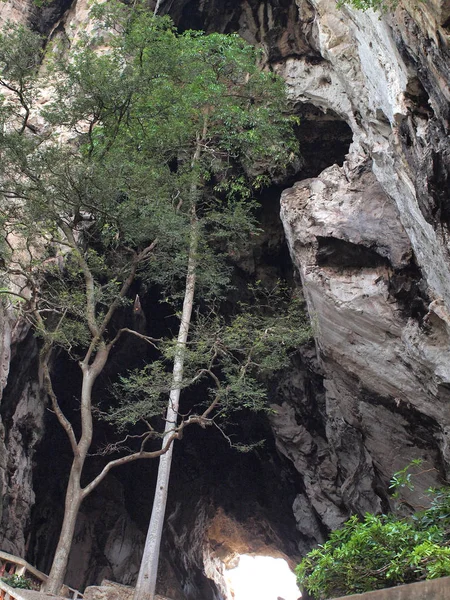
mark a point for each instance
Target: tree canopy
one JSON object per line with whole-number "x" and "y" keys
{"x": 134, "y": 158}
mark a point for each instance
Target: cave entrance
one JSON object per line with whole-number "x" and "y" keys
{"x": 261, "y": 578}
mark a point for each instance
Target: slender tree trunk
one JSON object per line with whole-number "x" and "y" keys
{"x": 74, "y": 493}
{"x": 71, "y": 508}
{"x": 157, "y": 7}
{"x": 146, "y": 582}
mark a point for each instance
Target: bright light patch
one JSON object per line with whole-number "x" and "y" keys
{"x": 262, "y": 578}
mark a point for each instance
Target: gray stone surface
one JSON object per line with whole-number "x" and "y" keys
{"x": 110, "y": 590}
{"x": 23, "y": 409}
{"x": 435, "y": 589}
{"x": 384, "y": 372}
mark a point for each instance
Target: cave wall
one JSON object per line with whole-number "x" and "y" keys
{"x": 368, "y": 237}
{"x": 370, "y": 241}
{"x": 21, "y": 429}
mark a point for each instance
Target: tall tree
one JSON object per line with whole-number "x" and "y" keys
{"x": 235, "y": 130}
{"x": 142, "y": 166}
{"x": 78, "y": 227}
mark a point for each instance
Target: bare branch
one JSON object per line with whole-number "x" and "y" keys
{"x": 223, "y": 433}
{"x": 120, "y": 445}
{"x": 55, "y": 405}
{"x": 89, "y": 282}
{"x": 124, "y": 289}
{"x": 150, "y": 340}
{"x": 211, "y": 407}
{"x": 176, "y": 435}
{"x": 9, "y": 293}
{"x": 127, "y": 459}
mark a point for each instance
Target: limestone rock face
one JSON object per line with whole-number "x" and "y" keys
{"x": 16, "y": 11}
{"x": 385, "y": 373}
{"x": 21, "y": 420}
{"x": 369, "y": 239}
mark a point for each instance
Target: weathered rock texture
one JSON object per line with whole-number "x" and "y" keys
{"x": 369, "y": 239}
{"x": 21, "y": 417}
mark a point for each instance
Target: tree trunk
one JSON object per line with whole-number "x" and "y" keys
{"x": 157, "y": 7}
{"x": 72, "y": 505}
{"x": 146, "y": 582}
{"x": 74, "y": 494}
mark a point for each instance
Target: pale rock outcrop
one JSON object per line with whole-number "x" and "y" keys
{"x": 364, "y": 78}
{"x": 383, "y": 372}
{"x": 355, "y": 234}
{"x": 16, "y": 11}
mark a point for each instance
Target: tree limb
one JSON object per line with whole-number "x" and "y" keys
{"x": 56, "y": 408}
{"x": 124, "y": 289}
{"x": 89, "y": 282}
{"x": 127, "y": 459}
{"x": 150, "y": 340}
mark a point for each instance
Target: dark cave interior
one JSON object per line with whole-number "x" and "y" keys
{"x": 207, "y": 474}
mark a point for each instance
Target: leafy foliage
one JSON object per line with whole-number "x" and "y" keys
{"x": 18, "y": 581}
{"x": 122, "y": 174}
{"x": 404, "y": 477}
{"x": 141, "y": 168}
{"x": 381, "y": 6}
{"x": 228, "y": 364}
{"x": 380, "y": 551}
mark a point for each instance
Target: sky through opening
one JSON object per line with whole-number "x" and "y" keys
{"x": 262, "y": 578}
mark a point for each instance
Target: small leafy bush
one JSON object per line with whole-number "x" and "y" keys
{"x": 381, "y": 6}
{"x": 17, "y": 581}
{"x": 380, "y": 551}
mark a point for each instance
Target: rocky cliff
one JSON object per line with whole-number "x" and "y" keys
{"x": 366, "y": 224}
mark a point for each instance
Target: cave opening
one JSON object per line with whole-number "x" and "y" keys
{"x": 261, "y": 578}
{"x": 250, "y": 494}
{"x": 215, "y": 490}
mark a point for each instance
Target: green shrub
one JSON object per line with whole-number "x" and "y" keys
{"x": 379, "y": 552}
{"x": 17, "y": 581}
{"x": 381, "y": 6}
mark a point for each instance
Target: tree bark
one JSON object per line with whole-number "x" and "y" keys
{"x": 72, "y": 505}
{"x": 98, "y": 348}
{"x": 74, "y": 494}
{"x": 146, "y": 582}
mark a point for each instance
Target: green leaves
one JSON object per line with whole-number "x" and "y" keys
{"x": 18, "y": 581}
{"x": 380, "y": 551}
{"x": 20, "y": 57}
{"x": 148, "y": 132}
{"x": 227, "y": 363}
{"x": 381, "y": 6}
{"x": 142, "y": 394}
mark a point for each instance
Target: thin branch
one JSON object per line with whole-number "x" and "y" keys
{"x": 223, "y": 433}
{"x": 89, "y": 282}
{"x": 211, "y": 407}
{"x": 177, "y": 434}
{"x": 125, "y": 287}
{"x": 127, "y": 459}
{"x": 150, "y": 340}
{"x": 55, "y": 405}
{"x": 9, "y": 293}
{"x": 120, "y": 445}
